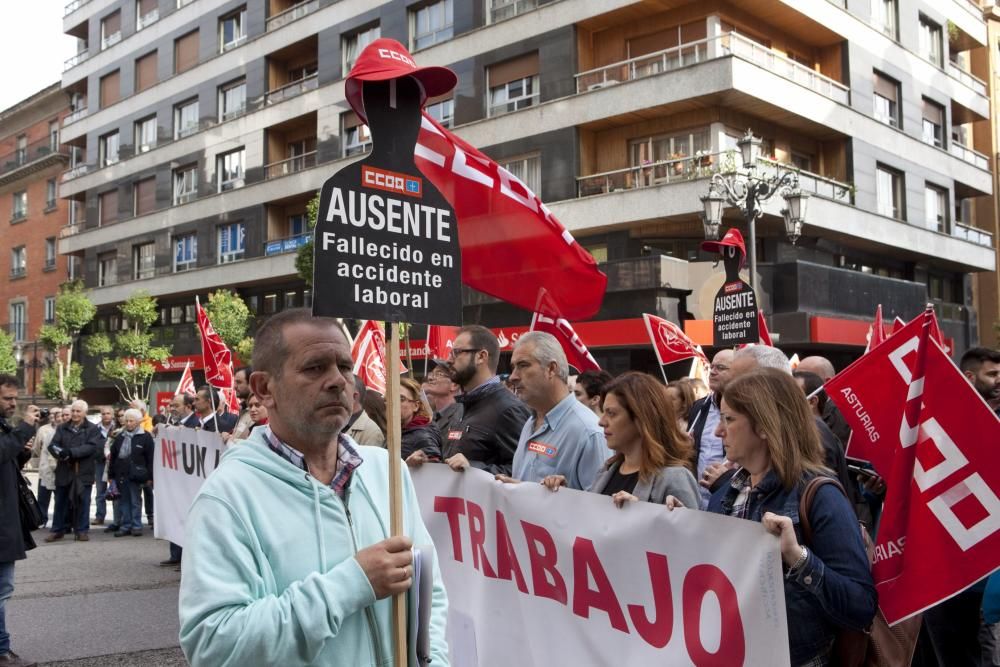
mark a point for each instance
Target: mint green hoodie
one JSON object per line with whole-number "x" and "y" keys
{"x": 269, "y": 574}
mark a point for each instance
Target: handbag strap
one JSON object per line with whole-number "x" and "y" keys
{"x": 806, "y": 500}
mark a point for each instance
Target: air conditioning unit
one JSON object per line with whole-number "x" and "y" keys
{"x": 602, "y": 84}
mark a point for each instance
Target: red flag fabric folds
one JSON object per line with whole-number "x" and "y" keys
{"x": 669, "y": 342}
{"x": 369, "y": 356}
{"x": 548, "y": 319}
{"x": 186, "y": 384}
{"x": 877, "y": 334}
{"x": 216, "y": 356}
{"x": 440, "y": 340}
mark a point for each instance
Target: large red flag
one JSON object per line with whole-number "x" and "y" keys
{"x": 931, "y": 436}
{"x": 669, "y": 342}
{"x": 216, "y": 356}
{"x": 548, "y": 319}
{"x": 186, "y": 384}
{"x": 440, "y": 340}
{"x": 877, "y": 333}
{"x": 369, "y": 356}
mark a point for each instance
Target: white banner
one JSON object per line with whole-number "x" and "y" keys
{"x": 536, "y": 578}
{"x": 184, "y": 458}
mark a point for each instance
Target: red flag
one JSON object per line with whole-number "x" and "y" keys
{"x": 186, "y": 385}
{"x": 877, "y": 333}
{"x": 216, "y": 356}
{"x": 440, "y": 340}
{"x": 511, "y": 243}
{"x": 231, "y": 400}
{"x": 369, "y": 356}
{"x": 765, "y": 335}
{"x": 931, "y": 436}
{"x": 669, "y": 342}
{"x": 547, "y": 318}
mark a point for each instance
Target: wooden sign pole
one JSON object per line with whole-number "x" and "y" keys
{"x": 394, "y": 444}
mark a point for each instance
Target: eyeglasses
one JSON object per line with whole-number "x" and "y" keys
{"x": 455, "y": 351}
{"x": 718, "y": 368}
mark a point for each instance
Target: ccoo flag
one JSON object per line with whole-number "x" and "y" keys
{"x": 216, "y": 356}
{"x": 547, "y": 318}
{"x": 669, "y": 342}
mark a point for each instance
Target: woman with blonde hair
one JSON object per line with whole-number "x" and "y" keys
{"x": 768, "y": 431}
{"x": 652, "y": 454}
{"x": 419, "y": 435}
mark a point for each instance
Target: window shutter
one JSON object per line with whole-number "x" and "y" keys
{"x": 186, "y": 52}
{"x": 111, "y": 89}
{"x": 109, "y": 206}
{"x": 112, "y": 23}
{"x": 147, "y": 6}
{"x": 886, "y": 87}
{"x": 145, "y": 196}
{"x": 512, "y": 70}
{"x": 933, "y": 113}
{"x": 145, "y": 71}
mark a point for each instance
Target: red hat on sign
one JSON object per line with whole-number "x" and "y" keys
{"x": 386, "y": 59}
{"x": 732, "y": 239}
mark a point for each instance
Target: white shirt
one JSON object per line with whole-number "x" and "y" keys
{"x": 711, "y": 450}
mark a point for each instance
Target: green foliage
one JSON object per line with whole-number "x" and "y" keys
{"x": 132, "y": 365}
{"x": 74, "y": 310}
{"x": 304, "y": 258}
{"x": 231, "y": 318}
{"x": 57, "y": 386}
{"x": 8, "y": 364}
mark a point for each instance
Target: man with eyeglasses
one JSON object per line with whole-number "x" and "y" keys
{"x": 441, "y": 393}
{"x": 704, "y": 418}
{"x": 492, "y": 419}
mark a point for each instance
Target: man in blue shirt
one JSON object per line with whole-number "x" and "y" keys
{"x": 562, "y": 437}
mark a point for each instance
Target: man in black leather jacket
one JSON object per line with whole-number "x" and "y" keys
{"x": 76, "y": 445}
{"x": 492, "y": 418}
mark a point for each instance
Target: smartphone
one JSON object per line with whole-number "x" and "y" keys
{"x": 864, "y": 472}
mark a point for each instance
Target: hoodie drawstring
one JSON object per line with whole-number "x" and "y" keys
{"x": 319, "y": 524}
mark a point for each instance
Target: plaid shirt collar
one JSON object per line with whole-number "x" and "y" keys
{"x": 348, "y": 459}
{"x": 740, "y": 492}
{"x": 483, "y": 387}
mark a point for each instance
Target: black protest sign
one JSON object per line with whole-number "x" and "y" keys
{"x": 386, "y": 244}
{"x": 734, "y": 320}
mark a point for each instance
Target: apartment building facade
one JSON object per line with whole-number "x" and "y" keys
{"x": 200, "y": 129}
{"x": 32, "y": 160}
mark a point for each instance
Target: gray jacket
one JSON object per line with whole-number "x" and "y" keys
{"x": 676, "y": 481}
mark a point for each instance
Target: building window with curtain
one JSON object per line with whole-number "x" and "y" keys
{"x": 107, "y": 269}
{"x": 513, "y": 85}
{"x": 185, "y": 118}
{"x": 930, "y": 41}
{"x": 143, "y": 261}
{"x": 107, "y": 207}
{"x": 357, "y": 138}
{"x": 111, "y": 29}
{"x": 107, "y": 149}
{"x": 145, "y": 134}
{"x": 889, "y": 192}
{"x": 185, "y": 252}
{"x": 232, "y": 99}
{"x": 431, "y": 23}
{"x": 50, "y": 309}
{"x": 18, "y": 316}
{"x": 50, "y": 254}
{"x": 147, "y": 12}
{"x": 230, "y": 167}
{"x": 443, "y": 111}
{"x": 232, "y": 29}
{"x": 50, "y": 194}
{"x": 936, "y": 208}
{"x": 933, "y": 123}
{"x": 498, "y": 10}
{"x": 53, "y": 135}
{"x": 527, "y": 169}
{"x": 232, "y": 242}
{"x": 352, "y": 45}
{"x": 144, "y": 194}
{"x": 185, "y": 183}
{"x": 18, "y": 261}
{"x": 19, "y": 208}
{"x": 884, "y": 14}
{"x": 885, "y": 100}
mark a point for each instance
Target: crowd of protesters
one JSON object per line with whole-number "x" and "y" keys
{"x": 747, "y": 445}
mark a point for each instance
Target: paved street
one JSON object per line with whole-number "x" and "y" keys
{"x": 100, "y": 603}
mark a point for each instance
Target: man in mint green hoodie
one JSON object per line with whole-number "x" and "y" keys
{"x": 288, "y": 559}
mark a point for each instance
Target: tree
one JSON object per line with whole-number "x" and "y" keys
{"x": 230, "y": 317}
{"x": 8, "y": 364}
{"x": 74, "y": 310}
{"x": 135, "y": 357}
{"x": 304, "y": 258}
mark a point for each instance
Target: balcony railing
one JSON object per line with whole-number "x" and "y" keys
{"x": 76, "y": 60}
{"x": 291, "y": 14}
{"x": 290, "y": 166}
{"x": 73, "y": 6}
{"x": 75, "y": 116}
{"x": 111, "y": 40}
{"x": 654, "y": 173}
{"x": 147, "y": 20}
{"x": 972, "y": 235}
{"x": 292, "y": 89}
{"x": 726, "y": 44}
{"x": 814, "y": 184}
{"x": 290, "y": 244}
{"x": 18, "y": 272}
{"x": 76, "y": 172}
{"x": 966, "y": 78}
{"x": 973, "y": 157}
{"x": 37, "y": 150}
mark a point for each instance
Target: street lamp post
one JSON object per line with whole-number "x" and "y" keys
{"x": 747, "y": 189}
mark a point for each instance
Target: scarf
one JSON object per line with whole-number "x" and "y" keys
{"x": 126, "y": 449}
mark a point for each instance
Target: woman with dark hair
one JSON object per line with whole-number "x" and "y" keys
{"x": 652, "y": 454}
{"x": 419, "y": 436}
{"x": 681, "y": 396}
{"x": 768, "y": 431}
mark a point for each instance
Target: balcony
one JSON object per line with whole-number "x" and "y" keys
{"x": 726, "y": 44}
{"x": 967, "y": 79}
{"x": 292, "y": 89}
{"x": 290, "y": 244}
{"x": 973, "y": 157}
{"x": 292, "y": 14}
{"x": 110, "y": 40}
{"x": 75, "y": 116}
{"x": 76, "y": 172}
{"x": 31, "y": 158}
{"x": 147, "y": 20}
{"x": 73, "y": 6}
{"x": 972, "y": 235}
{"x": 290, "y": 166}
{"x": 79, "y": 58}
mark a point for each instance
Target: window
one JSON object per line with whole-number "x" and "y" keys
{"x": 230, "y": 169}
{"x": 18, "y": 315}
{"x": 145, "y": 71}
{"x": 930, "y": 41}
{"x": 936, "y": 208}
{"x": 107, "y": 269}
{"x": 186, "y": 52}
{"x": 357, "y": 138}
{"x": 21, "y": 153}
{"x": 232, "y": 99}
{"x": 443, "y": 112}
{"x": 50, "y": 253}
{"x": 886, "y": 100}
{"x": 147, "y": 12}
{"x": 50, "y": 194}
{"x": 107, "y": 149}
{"x": 18, "y": 261}
{"x": 145, "y": 134}
{"x": 302, "y": 72}
{"x": 963, "y": 210}
{"x": 431, "y": 24}
{"x": 185, "y": 253}
{"x": 527, "y": 169}
{"x": 933, "y": 123}
{"x": 889, "y": 192}
{"x": 185, "y": 118}
{"x": 676, "y": 146}
{"x": 232, "y": 30}
{"x": 143, "y": 261}
{"x": 884, "y": 17}
{"x": 111, "y": 30}
{"x": 513, "y": 84}
{"x": 598, "y": 251}
{"x": 107, "y": 206}
{"x": 270, "y": 304}
{"x": 110, "y": 89}
{"x": 232, "y": 241}
{"x": 185, "y": 183}
{"x": 53, "y": 135}
{"x": 353, "y": 45}
{"x": 20, "y": 205}
{"x": 802, "y": 161}
{"x": 144, "y": 196}
{"x": 296, "y": 224}
{"x": 73, "y": 267}
{"x": 505, "y": 9}
{"x": 50, "y": 309}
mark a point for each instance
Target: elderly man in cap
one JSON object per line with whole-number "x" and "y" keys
{"x": 441, "y": 392}
{"x": 75, "y": 445}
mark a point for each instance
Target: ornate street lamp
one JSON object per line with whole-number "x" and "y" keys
{"x": 746, "y": 189}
